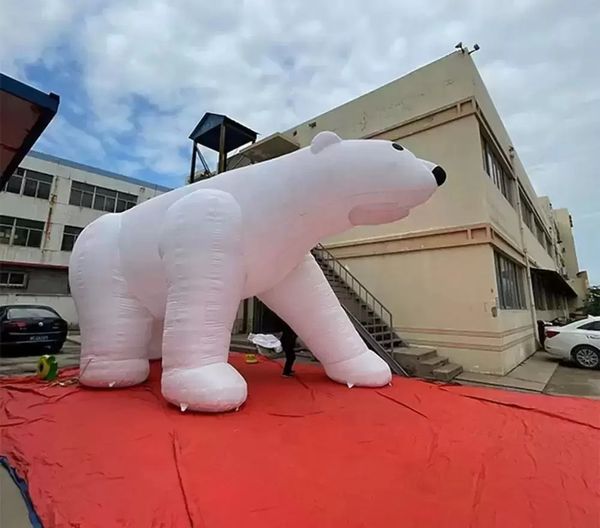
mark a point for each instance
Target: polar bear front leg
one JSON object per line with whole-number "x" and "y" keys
{"x": 201, "y": 250}
{"x": 305, "y": 300}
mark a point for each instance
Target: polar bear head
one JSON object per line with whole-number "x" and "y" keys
{"x": 375, "y": 181}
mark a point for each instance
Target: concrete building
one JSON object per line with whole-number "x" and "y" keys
{"x": 473, "y": 270}
{"x": 44, "y": 207}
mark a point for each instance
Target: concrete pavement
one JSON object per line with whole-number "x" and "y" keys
{"x": 570, "y": 380}
{"x": 19, "y": 365}
{"x": 541, "y": 373}
{"x": 532, "y": 375}
{"x": 13, "y": 512}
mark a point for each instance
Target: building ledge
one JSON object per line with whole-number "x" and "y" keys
{"x": 270, "y": 147}
{"x": 557, "y": 281}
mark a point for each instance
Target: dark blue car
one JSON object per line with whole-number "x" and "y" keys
{"x": 25, "y": 326}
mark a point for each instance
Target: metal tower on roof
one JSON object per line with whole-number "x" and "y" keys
{"x": 221, "y": 134}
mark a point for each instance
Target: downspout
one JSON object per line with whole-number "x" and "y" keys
{"x": 511, "y": 153}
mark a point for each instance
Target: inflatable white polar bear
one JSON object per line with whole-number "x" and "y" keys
{"x": 168, "y": 275}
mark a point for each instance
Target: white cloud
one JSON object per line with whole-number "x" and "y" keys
{"x": 151, "y": 68}
{"x": 32, "y": 30}
{"x": 71, "y": 142}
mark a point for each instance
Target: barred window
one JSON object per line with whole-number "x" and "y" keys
{"x": 100, "y": 198}
{"x": 30, "y": 183}
{"x": 70, "y": 234}
{"x": 496, "y": 171}
{"x": 509, "y": 278}
{"x": 21, "y": 232}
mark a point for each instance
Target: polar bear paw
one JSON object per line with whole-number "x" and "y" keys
{"x": 364, "y": 370}
{"x": 211, "y": 388}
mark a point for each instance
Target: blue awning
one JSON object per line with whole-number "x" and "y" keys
{"x": 24, "y": 114}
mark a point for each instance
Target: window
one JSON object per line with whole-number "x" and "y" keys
{"x": 539, "y": 291}
{"x": 545, "y": 295}
{"x": 15, "y": 182}
{"x": 534, "y": 224}
{"x": 21, "y": 232}
{"x": 99, "y": 198}
{"x": 13, "y": 279}
{"x": 30, "y": 183}
{"x": 509, "y": 278}
{"x": 539, "y": 233}
{"x": 105, "y": 200}
{"x": 31, "y": 312}
{"x": 594, "y": 325}
{"x": 70, "y": 234}
{"x": 552, "y": 299}
{"x": 526, "y": 211}
{"x": 549, "y": 246}
{"x": 496, "y": 171}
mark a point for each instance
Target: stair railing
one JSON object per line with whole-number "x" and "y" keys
{"x": 369, "y": 308}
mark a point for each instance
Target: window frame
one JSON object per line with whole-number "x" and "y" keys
{"x": 9, "y": 274}
{"x": 29, "y": 177}
{"x": 495, "y": 168}
{"x": 23, "y": 224}
{"x": 539, "y": 292}
{"x": 99, "y": 198}
{"x": 67, "y": 236}
{"x": 509, "y": 283}
{"x": 534, "y": 224}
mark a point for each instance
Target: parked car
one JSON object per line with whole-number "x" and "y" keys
{"x": 579, "y": 341}
{"x": 25, "y": 326}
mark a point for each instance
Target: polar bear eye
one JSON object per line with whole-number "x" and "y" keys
{"x": 397, "y": 146}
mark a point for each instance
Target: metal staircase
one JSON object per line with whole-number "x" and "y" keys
{"x": 371, "y": 318}
{"x": 375, "y": 325}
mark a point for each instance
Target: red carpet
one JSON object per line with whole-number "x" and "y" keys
{"x": 305, "y": 453}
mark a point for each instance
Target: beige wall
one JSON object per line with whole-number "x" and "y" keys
{"x": 578, "y": 280}
{"x": 442, "y": 82}
{"x": 563, "y": 222}
{"x": 447, "y": 298}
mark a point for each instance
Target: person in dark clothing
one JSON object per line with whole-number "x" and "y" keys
{"x": 288, "y": 343}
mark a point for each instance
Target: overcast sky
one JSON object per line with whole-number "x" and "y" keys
{"x": 135, "y": 76}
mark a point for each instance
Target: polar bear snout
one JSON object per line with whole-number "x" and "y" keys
{"x": 439, "y": 174}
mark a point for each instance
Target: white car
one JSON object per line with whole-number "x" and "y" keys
{"x": 579, "y": 341}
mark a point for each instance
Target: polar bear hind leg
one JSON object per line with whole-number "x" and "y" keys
{"x": 115, "y": 327}
{"x": 201, "y": 249}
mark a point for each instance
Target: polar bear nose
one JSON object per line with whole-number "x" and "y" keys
{"x": 439, "y": 175}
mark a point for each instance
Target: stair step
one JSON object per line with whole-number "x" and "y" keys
{"x": 374, "y": 327}
{"x": 435, "y": 361}
{"x": 414, "y": 354}
{"x": 447, "y": 372}
{"x": 387, "y": 343}
{"x": 426, "y": 367}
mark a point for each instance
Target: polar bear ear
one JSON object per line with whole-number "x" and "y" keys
{"x": 322, "y": 140}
